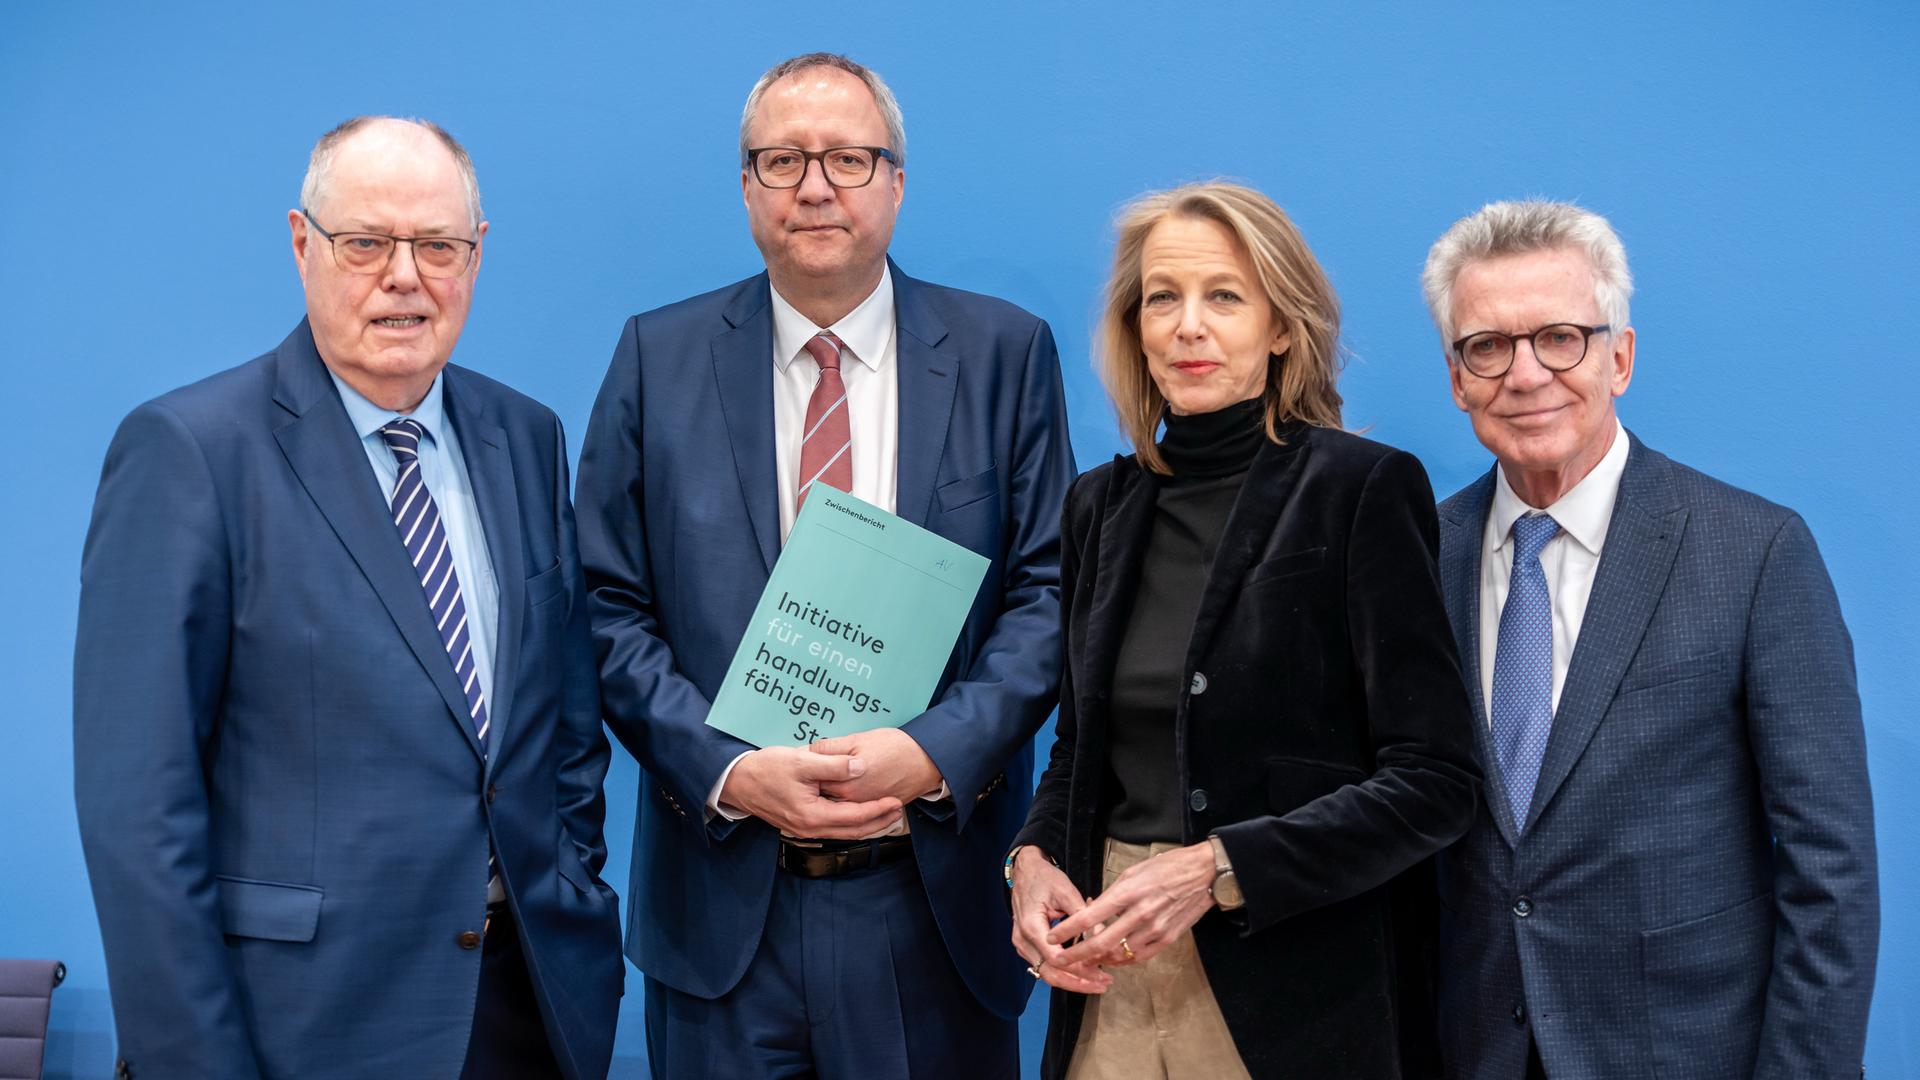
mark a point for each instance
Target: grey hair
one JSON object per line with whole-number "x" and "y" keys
{"x": 1512, "y": 228}
{"x": 882, "y": 96}
{"x": 320, "y": 165}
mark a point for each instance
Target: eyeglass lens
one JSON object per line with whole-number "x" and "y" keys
{"x": 1557, "y": 347}
{"x": 845, "y": 166}
{"x": 369, "y": 253}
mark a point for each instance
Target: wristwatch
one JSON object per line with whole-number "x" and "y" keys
{"x": 1226, "y": 887}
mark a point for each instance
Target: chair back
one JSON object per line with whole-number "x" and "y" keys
{"x": 26, "y": 997}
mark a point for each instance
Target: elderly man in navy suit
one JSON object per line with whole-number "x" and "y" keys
{"x": 337, "y": 743}
{"x": 1673, "y": 871}
{"x": 833, "y": 911}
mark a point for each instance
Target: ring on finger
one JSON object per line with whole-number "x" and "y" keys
{"x": 1125, "y": 948}
{"x": 1033, "y": 971}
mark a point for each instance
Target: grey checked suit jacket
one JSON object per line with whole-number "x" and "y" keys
{"x": 1694, "y": 893}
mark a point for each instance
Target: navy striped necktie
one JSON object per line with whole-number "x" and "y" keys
{"x": 425, "y": 537}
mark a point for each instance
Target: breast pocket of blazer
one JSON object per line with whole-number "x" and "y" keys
{"x": 957, "y": 494}
{"x": 1652, "y": 674}
{"x": 546, "y": 587}
{"x": 572, "y": 866}
{"x": 1292, "y": 564}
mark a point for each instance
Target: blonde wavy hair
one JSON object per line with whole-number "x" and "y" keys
{"x": 1300, "y": 382}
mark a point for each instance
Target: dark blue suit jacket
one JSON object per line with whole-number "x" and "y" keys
{"x": 1694, "y": 893}
{"x": 679, "y": 527}
{"x": 285, "y": 812}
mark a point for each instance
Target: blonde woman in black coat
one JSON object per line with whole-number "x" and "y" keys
{"x": 1263, "y": 731}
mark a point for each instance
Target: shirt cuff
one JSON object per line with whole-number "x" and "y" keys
{"x": 713, "y": 797}
{"x": 941, "y": 795}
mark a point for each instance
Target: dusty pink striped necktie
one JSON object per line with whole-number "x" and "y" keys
{"x": 824, "y": 456}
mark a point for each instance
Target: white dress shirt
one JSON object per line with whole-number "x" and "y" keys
{"x": 870, "y": 368}
{"x": 1569, "y": 560}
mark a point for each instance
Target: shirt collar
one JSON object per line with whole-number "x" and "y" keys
{"x": 866, "y": 331}
{"x": 368, "y": 418}
{"x": 1583, "y": 512}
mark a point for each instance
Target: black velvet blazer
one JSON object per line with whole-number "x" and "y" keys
{"x": 1324, "y": 735}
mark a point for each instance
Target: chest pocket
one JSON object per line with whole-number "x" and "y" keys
{"x": 544, "y": 591}
{"x": 1291, "y": 564}
{"x": 1649, "y": 676}
{"x": 545, "y": 585}
{"x": 968, "y": 490}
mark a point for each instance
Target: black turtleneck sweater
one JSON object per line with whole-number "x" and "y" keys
{"x": 1209, "y": 454}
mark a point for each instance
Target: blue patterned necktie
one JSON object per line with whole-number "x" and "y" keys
{"x": 425, "y": 537}
{"x": 1523, "y": 667}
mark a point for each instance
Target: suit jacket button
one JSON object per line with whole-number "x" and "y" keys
{"x": 1199, "y": 684}
{"x": 122, "y": 1070}
{"x": 1520, "y": 1013}
{"x": 491, "y": 792}
{"x": 1523, "y": 907}
{"x": 468, "y": 939}
{"x": 1198, "y": 799}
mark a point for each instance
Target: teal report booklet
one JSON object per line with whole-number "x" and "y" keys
{"x": 854, "y": 628}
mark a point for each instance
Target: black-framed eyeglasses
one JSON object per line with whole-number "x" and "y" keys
{"x": 843, "y": 166}
{"x": 369, "y": 253}
{"x": 1558, "y": 347}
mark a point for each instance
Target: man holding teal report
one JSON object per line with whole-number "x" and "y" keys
{"x": 831, "y": 911}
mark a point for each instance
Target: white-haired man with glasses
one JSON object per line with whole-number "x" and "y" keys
{"x": 1673, "y": 869}
{"x": 831, "y": 911}
{"x": 337, "y": 746}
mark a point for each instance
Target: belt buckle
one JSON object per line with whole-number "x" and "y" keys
{"x": 793, "y": 858}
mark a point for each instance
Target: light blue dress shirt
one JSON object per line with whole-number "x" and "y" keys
{"x": 444, "y": 472}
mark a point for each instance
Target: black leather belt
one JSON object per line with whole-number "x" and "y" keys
{"x": 834, "y": 857}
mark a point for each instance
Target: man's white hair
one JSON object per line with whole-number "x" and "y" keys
{"x": 1511, "y": 228}
{"x": 313, "y": 188}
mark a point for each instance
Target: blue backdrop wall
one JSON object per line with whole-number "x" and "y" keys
{"x": 1759, "y": 161}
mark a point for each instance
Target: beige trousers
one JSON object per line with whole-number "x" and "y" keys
{"x": 1158, "y": 1021}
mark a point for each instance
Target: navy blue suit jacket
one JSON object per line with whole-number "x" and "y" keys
{"x": 1694, "y": 893}
{"x": 285, "y": 812}
{"x": 679, "y": 528}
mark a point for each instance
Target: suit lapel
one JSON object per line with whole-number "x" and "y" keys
{"x": 928, "y": 380}
{"x": 1642, "y": 539}
{"x": 1264, "y": 494}
{"x": 1122, "y": 545}
{"x": 743, "y": 371}
{"x": 483, "y": 445}
{"x": 1463, "y": 526}
{"x": 321, "y": 447}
